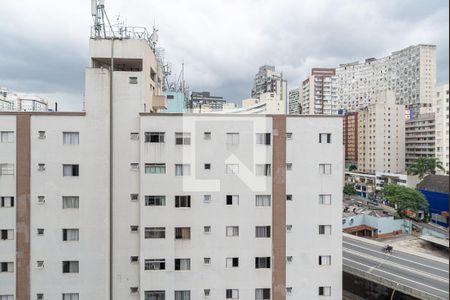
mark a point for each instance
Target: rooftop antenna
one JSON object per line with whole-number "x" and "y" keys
{"x": 100, "y": 19}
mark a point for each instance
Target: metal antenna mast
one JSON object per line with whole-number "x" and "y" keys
{"x": 100, "y": 19}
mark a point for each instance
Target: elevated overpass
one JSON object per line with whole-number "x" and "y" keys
{"x": 417, "y": 275}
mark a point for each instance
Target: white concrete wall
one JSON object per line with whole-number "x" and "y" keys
{"x": 305, "y": 213}
{"x": 8, "y": 215}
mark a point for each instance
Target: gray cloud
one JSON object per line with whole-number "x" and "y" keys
{"x": 222, "y": 42}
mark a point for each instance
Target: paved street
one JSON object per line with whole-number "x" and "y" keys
{"x": 417, "y": 272}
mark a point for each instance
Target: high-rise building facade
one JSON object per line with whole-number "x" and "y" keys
{"x": 442, "y": 126}
{"x": 269, "y": 80}
{"x": 420, "y": 135}
{"x": 10, "y": 101}
{"x": 318, "y": 93}
{"x": 201, "y": 205}
{"x": 410, "y": 73}
{"x": 381, "y": 135}
{"x": 201, "y": 101}
{"x": 350, "y": 130}
{"x": 294, "y": 105}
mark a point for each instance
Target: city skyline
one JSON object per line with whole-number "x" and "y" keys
{"x": 303, "y": 41}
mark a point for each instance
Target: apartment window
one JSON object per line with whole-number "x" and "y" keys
{"x": 182, "y": 264}
{"x": 7, "y": 136}
{"x": 289, "y": 259}
{"x": 133, "y": 80}
{"x": 325, "y": 291}
{"x": 207, "y": 198}
{"x": 288, "y": 290}
{"x": 71, "y": 234}
{"x": 134, "y": 290}
{"x": 182, "y": 201}
{"x": 263, "y": 138}
{"x": 6, "y": 267}
{"x": 325, "y": 138}
{"x": 207, "y": 135}
{"x": 155, "y": 200}
{"x": 155, "y": 295}
{"x": 182, "y": 138}
{"x": 262, "y": 294}
{"x": 232, "y": 262}
{"x": 70, "y": 266}
{"x": 232, "y": 169}
{"x": 71, "y": 202}
{"x": 289, "y": 166}
{"x": 325, "y": 169}
{"x": 325, "y": 229}
{"x": 40, "y": 264}
{"x": 6, "y": 169}
{"x": 207, "y": 229}
{"x": 70, "y": 296}
{"x": 232, "y": 230}
{"x": 262, "y": 231}
{"x": 207, "y": 166}
{"x": 206, "y": 260}
{"x": 154, "y": 264}
{"x": 207, "y": 292}
{"x": 325, "y": 199}
{"x": 155, "y": 232}
{"x": 41, "y": 199}
{"x": 155, "y": 168}
{"x": 288, "y": 228}
{"x": 182, "y": 295}
{"x": 182, "y": 233}
{"x": 71, "y": 170}
{"x": 40, "y": 231}
{"x": 38, "y": 297}
{"x": 289, "y": 135}
{"x": 324, "y": 260}
{"x": 134, "y": 259}
{"x": 232, "y": 200}
{"x": 41, "y": 167}
{"x": 134, "y": 166}
{"x": 262, "y": 262}
{"x": 232, "y": 294}
{"x": 6, "y": 297}
{"x": 263, "y": 200}
{"x": 263, "y": 170}
{"x": 182, "y": 170}
{"x": 154, "y": 137}
{"x": 41, "y": 135}
{"x": 71, "y": 138}
{"x": 134, "y": 197}
{"x": 6, "y": 201}
{"x": 232, "y": 138}
{"x": 134, "y": 228}
{"x": 134, "y": 136}
{"x": 6, "y": 234}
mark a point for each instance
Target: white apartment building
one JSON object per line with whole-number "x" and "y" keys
{"x": 381, "y": 135}
{"x": 420, "y": 134}
{"x": 319, "y": 93}
{"x": 442, "y": 126}
{"x": 269, "y": 80}
{"x": 10, "y": 101}
{"x": 410, "y": 73}
{"x": 294, "y": 98}
{"x": 121, "y": 202}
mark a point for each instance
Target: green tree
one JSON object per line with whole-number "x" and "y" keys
{"x": 405, "y": 198}
{"x": 349, "y": 189}
{"x": 424, "y": 166}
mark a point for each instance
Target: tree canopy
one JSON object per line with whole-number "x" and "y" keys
{"x": 405, "y": 198}
{"x": 349, "y": 189}
{"x": 425, "y": 166}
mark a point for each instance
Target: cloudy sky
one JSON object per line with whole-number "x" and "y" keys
{"x": 44, "y": 44}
